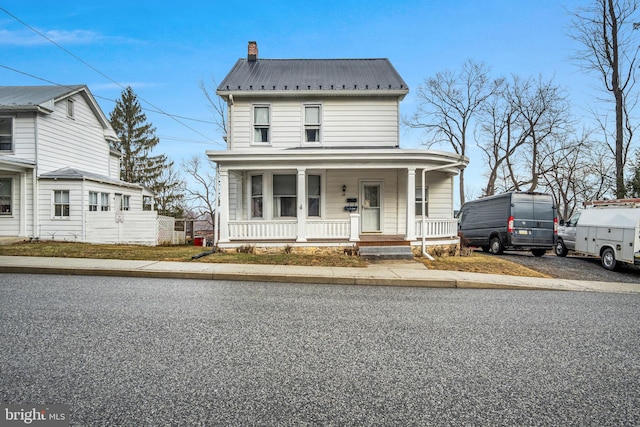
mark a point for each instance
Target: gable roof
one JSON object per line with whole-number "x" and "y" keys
{"x": 321, "y": 76}
{"x": 42, "y": 99}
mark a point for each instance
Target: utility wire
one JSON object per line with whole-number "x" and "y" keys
{"x": 159, "y": 110}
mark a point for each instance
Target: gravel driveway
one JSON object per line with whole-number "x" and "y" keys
{"x": 575, "y": 267}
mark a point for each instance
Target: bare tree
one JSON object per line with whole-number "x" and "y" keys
{"x": 448, "y": 103}
{"x": 202, "y": 197}
{"x": 609, "y": 48}
{"x": 217, "y": 105}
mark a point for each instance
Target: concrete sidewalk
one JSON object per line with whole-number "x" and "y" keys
{"x": 406, "y": 273}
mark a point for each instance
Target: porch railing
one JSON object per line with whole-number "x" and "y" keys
{"x": 255, "y": 230}
{"x": 437, "y": 228}
{"x": 328, "y": 229}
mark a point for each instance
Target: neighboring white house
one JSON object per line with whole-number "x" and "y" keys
{"x": 59, "y": 178}
{"x": 313, "y": 158}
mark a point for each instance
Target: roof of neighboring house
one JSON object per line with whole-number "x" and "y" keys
{"x": 34, "y": 97}
{"x": 314, "y": 75}
{"x": 43, "y": 98}
{"x": 77, "y": 174}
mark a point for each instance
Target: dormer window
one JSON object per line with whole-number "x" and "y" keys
{"x": 312, "y": 123}
{"x": 261, "y": 123}
{"x": 70, "y": 109}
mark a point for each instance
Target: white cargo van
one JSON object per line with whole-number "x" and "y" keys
{"x": 608, "y": 229}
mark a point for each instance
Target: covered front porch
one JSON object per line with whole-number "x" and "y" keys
{"x": 335, "y": 197}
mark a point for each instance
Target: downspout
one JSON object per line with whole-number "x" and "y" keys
{"x": 215, "y": 212}
{"x": 424, "y": 201}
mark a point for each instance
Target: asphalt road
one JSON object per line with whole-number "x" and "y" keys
{"x": 170, "y": 352}
{"x": 575, "y": 267}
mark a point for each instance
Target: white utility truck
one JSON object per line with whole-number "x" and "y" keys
{"x": 609, "y": 229}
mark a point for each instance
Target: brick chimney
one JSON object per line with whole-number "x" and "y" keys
{"x": 252, "y": 54}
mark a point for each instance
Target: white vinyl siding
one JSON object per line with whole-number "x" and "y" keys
{"x": 346, "y": 122}
{"x": 78, "y": 143}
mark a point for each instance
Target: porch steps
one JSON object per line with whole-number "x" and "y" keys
{"x": 385, "y": 252}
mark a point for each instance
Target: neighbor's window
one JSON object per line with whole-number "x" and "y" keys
{"x": 6, "y": 134}
{"x": 70, "y": 108}
{"x": 312, "y": 123}
{"x": 61, "y": 203}
{"x": 93, "y": 201}
{"x": 126, "y": 202}
{"x": 313, "y": 195}
{"x": 419, "y": 201}
{"x": 147, "y": 203}
{"x": 104, "y": 202}
{"x": 261, "y": 122}
{"x": 256, "y": 196}
{"x": 284, "y": 195}
{"x": 5, "y": 196}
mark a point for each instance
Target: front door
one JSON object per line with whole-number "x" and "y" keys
{"x": 371, "y": 207}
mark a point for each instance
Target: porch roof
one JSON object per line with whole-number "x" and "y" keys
{"x": 77, "y": 174}
{"x": 339, "y": 158}
{"x": 14, "y": 163}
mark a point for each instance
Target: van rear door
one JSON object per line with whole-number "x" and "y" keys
{"x": 533, "y": 220}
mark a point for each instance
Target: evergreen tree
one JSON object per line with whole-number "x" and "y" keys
{"x": 139, "y": 165}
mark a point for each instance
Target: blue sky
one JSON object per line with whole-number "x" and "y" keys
{"x": 164, "y": 49}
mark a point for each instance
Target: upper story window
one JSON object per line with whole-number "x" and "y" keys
{"x": 6, "y": 134}
{"x": 126, "y": 202}
{"x": 61, "y": 204}
{"x": 70, "y": 109}
{"x": 5, "y": 196}
{"x": 311, "y": 123}
{"x": 147, "y": 203}
{"x": 261, "y": 123}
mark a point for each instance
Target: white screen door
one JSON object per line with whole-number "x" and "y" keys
{"x": 371, "y": 205}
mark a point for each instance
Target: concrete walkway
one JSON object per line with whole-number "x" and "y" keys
{"x": 396, "y": 273}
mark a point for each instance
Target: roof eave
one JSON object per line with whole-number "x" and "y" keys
{"x": 399, "y": 93}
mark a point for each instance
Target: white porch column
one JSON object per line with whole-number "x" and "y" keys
{"x": 411, "y": 205}
{"x": 224, "y": 206}
{"x": 302, "y": 205}
{"x": 23, "y": 204}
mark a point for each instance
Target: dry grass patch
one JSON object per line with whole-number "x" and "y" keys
{"x": 481, "y": 263}
{"x": 327, "y": 260}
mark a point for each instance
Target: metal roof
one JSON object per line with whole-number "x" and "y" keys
{"x": 32, "y": 97}
{"x": 324, "y": 75}
{"x": 77, "y": 174}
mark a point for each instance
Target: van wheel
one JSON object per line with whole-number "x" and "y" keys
{"x": 538, "y": 252}
{"x": 561, "y": 248}
{"x": 496, "y": 247}
{"x": 609, "y": 259}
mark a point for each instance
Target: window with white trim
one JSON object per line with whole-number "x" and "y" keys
{"x": 6, "y": 195}
{"x": 70, "y": 109}
{"x": 126, "y": 202}
{"x": 93, "y": 201}
{"x": 104, "y": 202}
{"x": 256, "y": 196}
{"x": 312, "y": 123}
{"x": 147, "y": 203}
{"x": 261, "y": 123}
{"x": 284, "y": 195}
{"x": 419, "y": 201}
{"x": 6, "y": 134}
{"x": 314, "y": 195}
{"x": 61, "y": 204}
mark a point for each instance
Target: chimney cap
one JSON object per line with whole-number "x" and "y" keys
{"x": 252, "y": 51}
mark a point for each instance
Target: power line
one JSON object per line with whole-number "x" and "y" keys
{"x": 158, "y": 110}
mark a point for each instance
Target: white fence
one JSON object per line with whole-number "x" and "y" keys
{"x": 437, "y": 228}
{"x": 133, "y": 227}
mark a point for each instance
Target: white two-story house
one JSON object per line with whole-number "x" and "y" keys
{"x": 313, "y": 158}
{"x": 59, "y": 178}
